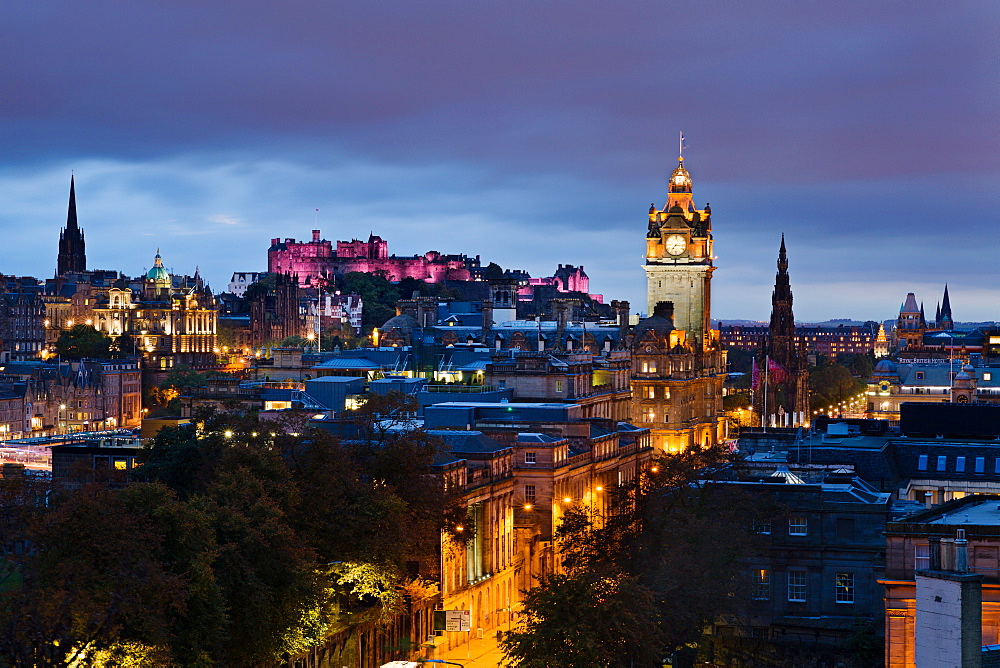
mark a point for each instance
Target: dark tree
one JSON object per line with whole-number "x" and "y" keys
{"x": 493, "y": 270}
{"x": 83, "y": 341}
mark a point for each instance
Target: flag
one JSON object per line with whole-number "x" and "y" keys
{"x": 754, "y": 376}
{"x": 776, "y": 372}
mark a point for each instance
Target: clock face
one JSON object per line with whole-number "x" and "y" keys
{"x": 675, "y": 244}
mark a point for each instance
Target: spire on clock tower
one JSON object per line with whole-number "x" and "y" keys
{"x": 72, "y": 247}
{"x": 679, "y": 189}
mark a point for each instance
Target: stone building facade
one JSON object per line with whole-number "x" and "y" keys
{"x": 170, "y": 324}
{"x": 678, "y": 365}
{"x": 318, "y": 262}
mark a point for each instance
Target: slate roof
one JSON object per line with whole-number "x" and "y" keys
{"x": 467, "y": 441}
{"x": 347, "y": 363}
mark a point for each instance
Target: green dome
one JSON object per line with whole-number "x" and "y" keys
{"x": 158, "y": 274}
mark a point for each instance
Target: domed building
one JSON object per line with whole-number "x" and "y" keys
{"x": 169, "y": 319}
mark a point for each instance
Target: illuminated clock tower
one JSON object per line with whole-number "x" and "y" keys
{"x": 679, "y": 258}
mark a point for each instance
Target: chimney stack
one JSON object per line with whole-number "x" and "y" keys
{"x": 961, "y": 552}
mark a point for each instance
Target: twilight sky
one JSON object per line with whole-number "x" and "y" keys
{"x": 531, "y": 133}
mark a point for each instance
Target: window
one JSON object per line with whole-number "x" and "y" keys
{"x": 980, "y": 464}
{"x": 942, "y": 463}
{"x": 762, "y": 527}
{"x": 920, "y": 375}
{"x": 559, "y": 386}
{"x": 796, "y": 585}
{"x": 845, "y": 587}
{"x": 959, "y": 464}
{"x": 761, "y": 584}
{"x": 845, "y": 527}
{"x": 922, "y": 463}
{"x": 987, "y": 375}
{"x": 797, "y": 525}
{"x": 649, "y": 415}
{"x": 529, "y": 493}
{"x": 530, "y": 458}
{"x": 650, "y": 392}
{"x": 921, "y": 556}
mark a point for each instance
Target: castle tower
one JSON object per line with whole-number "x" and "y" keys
{"x": 72, "y": 248}
{"x": 782, "y": 397}
{"x": 679, "y": 258}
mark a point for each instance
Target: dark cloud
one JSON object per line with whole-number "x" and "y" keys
{"x": 537, "y": 132}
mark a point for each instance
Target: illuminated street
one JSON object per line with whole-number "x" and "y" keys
{"x": 475, "y": 654}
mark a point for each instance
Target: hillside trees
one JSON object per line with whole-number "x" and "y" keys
{"x": 235, "y": 544}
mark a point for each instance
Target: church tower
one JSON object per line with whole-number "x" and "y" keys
{"x": 679, "y": 258}
{"x": 72, "y": 248}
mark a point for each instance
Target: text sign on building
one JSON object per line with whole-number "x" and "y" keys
{"x": 452, "y": 620}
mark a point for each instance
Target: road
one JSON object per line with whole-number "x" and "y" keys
{"x": 475, "y": 654}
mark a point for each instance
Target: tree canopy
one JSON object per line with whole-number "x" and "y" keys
{"x": 235, "y": 543}
{"x": 83, "y": 341}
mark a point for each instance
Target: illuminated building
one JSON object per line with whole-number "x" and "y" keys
{"x": 678, "y": 366}
{"x": 318, "y": 262}
{"x": 170, "y": 319}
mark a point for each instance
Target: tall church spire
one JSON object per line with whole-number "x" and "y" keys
{"x": 72, "y": 247}
{"x": 946, "y": 320}
{"x": 71, "y": 223}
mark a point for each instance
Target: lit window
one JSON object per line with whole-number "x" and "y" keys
{"x": 797, "y": 525}
{"x": 845, "y": 587}
{"x": 559, "y": 386}
{"x": 761, "y": 584}
{"x": 796, "y": 585}
{"x": 530, "y": 458}
{"x": 921, "y": 556}
{"x": 649, "y": 415}
{"x": 959, "y": 464}
{"x": 650, "y": 392}
{"x": 987, "y": 375}
{"x": 121, "y": 464}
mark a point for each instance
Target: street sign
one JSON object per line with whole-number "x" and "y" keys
{"x": 452, "y": 620}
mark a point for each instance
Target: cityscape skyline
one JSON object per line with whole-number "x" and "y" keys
{"x": 531, "y": 138}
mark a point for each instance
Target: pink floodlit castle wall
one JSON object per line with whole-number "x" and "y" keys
{"x": 315, "y": 262}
